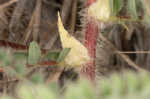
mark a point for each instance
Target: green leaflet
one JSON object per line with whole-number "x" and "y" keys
{"x": 5, "y": 58}
{"x": 57, "y": 56}
{"x": 116, "y": 6}
{"x": 52, "y": 56}
{"x": 20, "y": 55}
{"x": 20, "y": 68}
{"x": 63, "y": 54}
{"x": 37, "y": 78}
{"x": 34, "y": 53}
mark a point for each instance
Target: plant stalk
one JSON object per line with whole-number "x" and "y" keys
{"x": 91, "y": 34}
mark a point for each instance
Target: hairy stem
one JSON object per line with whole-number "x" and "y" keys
{"x": 91, "y": 35}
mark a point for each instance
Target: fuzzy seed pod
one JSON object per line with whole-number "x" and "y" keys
{"x": 79, "y": 54}
{"x": 100, "y": 10}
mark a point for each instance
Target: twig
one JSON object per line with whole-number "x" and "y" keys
{"x": 54, "y": 77}
{"x": 135, "y": 52}
{"x": 5, "y": 5}
{"x": 14, "y": 22}
{"x": 33, "y": 68}
{"x": 4, "y": 86}
{"x": 29, "y": 28}
{"x": 8, "y": 81}
{"x": 123, "y": 56}
{"x": 66, "y": 8}
{"x": 36, "y": 24}
{"x": 73, "y": 17}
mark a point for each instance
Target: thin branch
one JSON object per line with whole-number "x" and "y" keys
{"x": 66, "y": 8}
{"x": 36, "y": 24}
{"x": 29, "y": 28}
{"x": 73, "y": 17}
{"x": 5, "y": 5}
{"x": 135, "y": 52}
{"x": 8, "y": 81}
{"x": 15, "y": 18}
{"x": 123, "y": 56}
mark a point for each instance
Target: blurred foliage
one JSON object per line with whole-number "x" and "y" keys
{"x": 116, "y": 6}
{"x": 125, "y": 86}
{"x": 128, "y": 85}
{"x": 14, "y": 63}
{"x": 127, "y": 10}
{"x": 131, "y": 5}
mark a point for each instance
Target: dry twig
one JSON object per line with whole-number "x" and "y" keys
{"x": 123, "y": 56}
{"x": 5, "y": 5}
{"x": 73, "y": 17}
{"x": 37, "y": 19}
{"x": 135, "y": 52}
{"x": 14, "y": 22}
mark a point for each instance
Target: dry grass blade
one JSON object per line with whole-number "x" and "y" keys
{"x": 29, "y": 29}
{"x": 36, "y": 25}
{"x": 3, "y": 23}
{"x": 3, "y": 17}
{"x": 3, "y": 6}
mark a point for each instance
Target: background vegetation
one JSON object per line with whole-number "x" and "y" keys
{"x": 30, "y": 50}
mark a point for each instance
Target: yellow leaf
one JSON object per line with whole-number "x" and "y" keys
{"x": 100, "y": 10}
{"x": 78, "y": 54}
